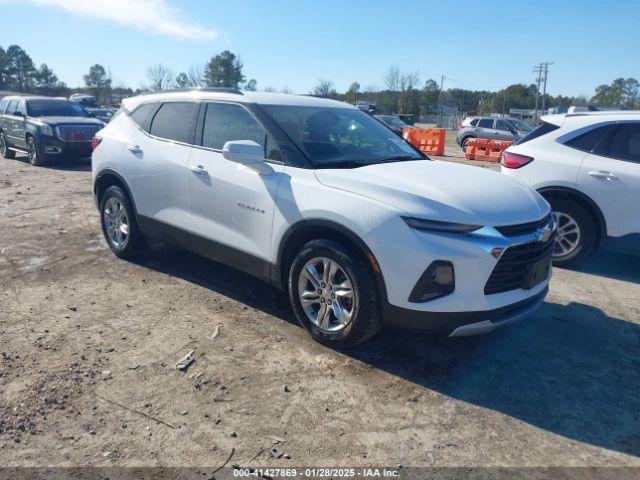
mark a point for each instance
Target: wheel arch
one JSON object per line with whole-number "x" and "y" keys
{"x": 582, "y": 199}
{"x": 107, "y": 178}
{"x": 313, "y": 229}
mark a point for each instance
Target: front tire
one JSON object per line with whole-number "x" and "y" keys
{"x": 119, "y": 224}
{"x": 4, "y": 148}
{"x": 334, "y": 294}
{"x": 463, "y": 144}
{"x": 576, "y": 232}
{"x": 36, "y": 154}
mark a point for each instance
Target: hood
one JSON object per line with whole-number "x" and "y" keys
{"x": 445, "y": 191}
{"x": 68, "y": 120}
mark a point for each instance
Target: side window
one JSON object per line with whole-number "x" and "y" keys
{"x": 3, "y": 105}
{"x": 225, "y": 122}
{"x": 474, "y": 122}
{"x": 12, "y": 107}
{"x": 503, "y": 125}
{"x": 141, "y": 115}
{"x": 175, "y": 121}
{"x": 22, "y": 108}
{"x": 589, "y": 140}
{"x": 485, "y": 123}
{"x": 622, "y": 143}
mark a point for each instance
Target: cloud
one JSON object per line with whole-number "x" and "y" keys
{"x": 153, "y": 16}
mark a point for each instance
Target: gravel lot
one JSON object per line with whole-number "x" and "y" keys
{"x": 88, "y": 344}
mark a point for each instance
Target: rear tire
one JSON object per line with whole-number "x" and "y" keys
{"x": 4, "y": 148}
{"x": 463, "y": 144}
{"x": 119, "y": 224}
{"x": 576, "y": 232}
{"x": 338, "y": 272}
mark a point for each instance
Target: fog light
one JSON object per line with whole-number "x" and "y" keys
{"x": 437, "y": 281}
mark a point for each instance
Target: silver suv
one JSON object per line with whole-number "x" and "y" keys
{"x": 492, "y": 128}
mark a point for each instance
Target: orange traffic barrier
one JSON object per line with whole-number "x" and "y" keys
{"x": 427, "y": 140}
{"x": 485, "y": 149}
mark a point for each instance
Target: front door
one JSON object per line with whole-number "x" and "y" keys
{"x": 610, "y": 175}
{"x": 231, "y": 206}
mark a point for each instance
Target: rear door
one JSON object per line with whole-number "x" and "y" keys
{"x": 156, "y": 162}
{"x": 610, "y": 175}
{"x": 19, "y": 125}
{"x": 485, "y": 128}
{"x": 231, "y": 205}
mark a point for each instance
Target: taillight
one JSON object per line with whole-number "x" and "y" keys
{"x": 95, "y": 142}
{"x": 514, "y": 160}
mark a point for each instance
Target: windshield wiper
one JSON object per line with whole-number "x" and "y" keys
{"x": 342, "y": 164}
{"x": 398, "y": 158}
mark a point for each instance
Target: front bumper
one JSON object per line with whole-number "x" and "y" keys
{"x": 462, "y": 324}
{"x": 404, "y": 254}
{"x": 55, "y": 148}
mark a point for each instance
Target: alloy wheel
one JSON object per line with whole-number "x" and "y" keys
{"x": 568, "y": 235}
{"x": 326, "y": 294}
{"x": 116, "y": 223}
{"x": 3, "y": 145}
{"x": 33, "y": 152}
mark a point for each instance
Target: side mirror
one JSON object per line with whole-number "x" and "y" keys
{"x": 248, "y": 153}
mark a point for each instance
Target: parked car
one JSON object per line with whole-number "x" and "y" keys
{"x": 394, "y": 123}
{"x": 587, "y": 166}
{"x": 89, "y": 103}
{"x": 45, "y": 128}
{"x": 492, "y": 128}
{"x": 318, "y": 198}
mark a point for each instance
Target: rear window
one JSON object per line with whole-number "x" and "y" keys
{"x": 175, "y": 121}
{"x": 540, "y": 130}
{"x": 588, "y": 140}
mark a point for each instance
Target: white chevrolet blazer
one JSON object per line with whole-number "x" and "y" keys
{"x": 318, "y": 198}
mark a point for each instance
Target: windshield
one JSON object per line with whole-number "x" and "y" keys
{"x": 341, "y": 137}
{"x": 520, "y": 125}
{"x": 54, "y": 108}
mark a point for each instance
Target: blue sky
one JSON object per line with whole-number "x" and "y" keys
{"x": 478, "y": 44}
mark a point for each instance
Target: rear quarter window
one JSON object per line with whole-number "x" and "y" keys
{"x": 539, "y": 131}
{"x": 142, "y": 115}
{"x": 175, "y": 121}
{"x": 3, "y": 105}
{"x": 588, "y": 140}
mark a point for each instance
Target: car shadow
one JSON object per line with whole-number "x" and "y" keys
{"x": 613, "y": 264}
{"x": 568, "y": 369}
{"x": 76, "y": 165}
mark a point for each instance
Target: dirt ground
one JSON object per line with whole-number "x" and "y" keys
{"x": 88, "y": 345}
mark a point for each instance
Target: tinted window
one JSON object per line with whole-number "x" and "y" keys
{"x": 623, "y": 143}
{"x": 474, "y": 122}
{"x": 589, "y": 140}
{"x": 175, "y": 121}
{"x": 485, "y": 123}
{"x": 141, "y": 114}
{"x": 226, "y": 122}
{"x": 503, "y": 125}
{"x": 21, "y": 107}
{"x": 540, "y": 130}
{"x": 3, "y": 105}
{"x": 52, "y": 107}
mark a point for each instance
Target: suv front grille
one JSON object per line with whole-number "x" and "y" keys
{"x": 77, "y": 133}
{"x": 512, "y": 269}
{"x": 524, "y": 228}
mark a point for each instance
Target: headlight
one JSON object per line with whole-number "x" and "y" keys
{"x": 438, "y": 226}
{"x": 46, "y": 130}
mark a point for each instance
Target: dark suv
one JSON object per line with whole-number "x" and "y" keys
{"x": 45, "y": 128}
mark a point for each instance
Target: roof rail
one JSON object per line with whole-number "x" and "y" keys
{"x": 198, "y": 89}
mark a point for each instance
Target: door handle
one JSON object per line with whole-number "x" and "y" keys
{"x": 135, "y": 149}
{"x": 198, "y": 169}
{"x": 603, "y": 174}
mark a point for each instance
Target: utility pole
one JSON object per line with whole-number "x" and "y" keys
{"x": 537, "y": 69}
{"x": 440, "y": 99}
{"x": 545, "y": 65}
{"x": 542, "y": 71}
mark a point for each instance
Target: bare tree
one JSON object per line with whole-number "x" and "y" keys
{"x": 196, "y": 76}
{"x": 408, "y": 81}
{"x": 392, "y": 79}
{"x": 324, "y": 88}
{"x": 160, "y": 77}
